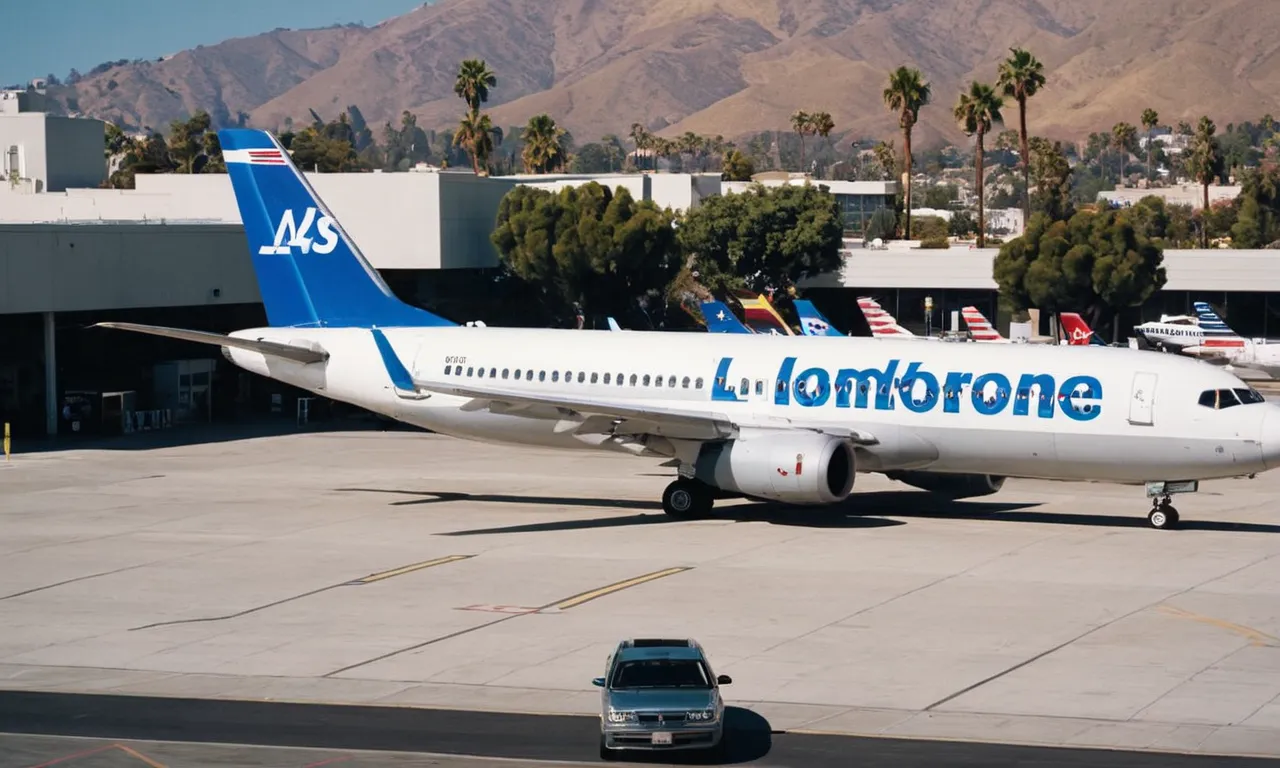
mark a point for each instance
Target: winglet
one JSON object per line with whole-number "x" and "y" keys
{"x": 400, "y": 376}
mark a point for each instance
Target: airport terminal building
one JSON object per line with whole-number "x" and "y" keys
{"x": 173, "y": 252}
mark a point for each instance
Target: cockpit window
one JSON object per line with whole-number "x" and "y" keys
{"x": 1225, "y": 398}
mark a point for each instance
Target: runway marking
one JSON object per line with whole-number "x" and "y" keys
{"x": 330, "y": 761}
{"x": 1255, "y": 637}
{"x": 585, "y": 597}
{"x": 371, "y": 578}
{"x": 561, "y": 604}
{"x": 99, "y": 750}
{"x": 518, "y": 609}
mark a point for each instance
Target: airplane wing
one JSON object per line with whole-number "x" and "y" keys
{"x": 656, "y": 418}
{"x": 293, "y": 352}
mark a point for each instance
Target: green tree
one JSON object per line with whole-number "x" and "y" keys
{"x": 188, "y": 141}
{"x": 941, "y": 196}
{"x": 802, "y": 124}
{"x": 1258, "y": 220}
{"x": 543, "y": 147}
{"x": 1123, "y": 137}
{"x": 1150, "y": 119}
{"x": 475, "y": 135}
{"x": 1094, "y": 263}
{"x": 473, "y": 83}
{"x": 976, "y": 112}
{"x": 763, "y": 237}
{"x": 737, "y": 166}
{"x": 1021, "y": 77}
{"x": 1205, "y": 163}
{"x": 1051, "y": 172}
{"x": 587, "y": 245}
{"x": 906, "y": 94}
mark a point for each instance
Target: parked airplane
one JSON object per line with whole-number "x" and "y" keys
{"x": 881, "y": 322}
{"x": 772, "y": 418}
{"x": 980, "y": 327}
{"x": 1077, "y": 332}
{"x": 1223, "y": 345}
{"x": 720, "y": 318}
{"x": 812, "y": 323}
{"x": 1204, "y": 332}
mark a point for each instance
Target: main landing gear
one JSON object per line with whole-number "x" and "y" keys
{"x": 687, "y": 499}
{"x": 1163, "y": 515}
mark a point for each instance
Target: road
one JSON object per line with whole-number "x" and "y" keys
{"x": 482, "y": 734}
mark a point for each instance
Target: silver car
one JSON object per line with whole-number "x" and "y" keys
{"x": 660, "y": 695}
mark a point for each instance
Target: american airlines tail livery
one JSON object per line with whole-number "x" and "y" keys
{"x": 782, "y": 418}
{"x": 980, "y": 327}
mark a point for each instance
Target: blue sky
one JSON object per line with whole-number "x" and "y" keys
{"x": 52, "y": 36}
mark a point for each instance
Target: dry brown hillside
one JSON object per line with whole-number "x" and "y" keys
{"x": 731, "y": 66}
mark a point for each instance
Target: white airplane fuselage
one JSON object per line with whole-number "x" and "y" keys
{"x": 1146, "y": 426}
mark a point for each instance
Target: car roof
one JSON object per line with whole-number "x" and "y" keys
{"x": 654, "y": 648}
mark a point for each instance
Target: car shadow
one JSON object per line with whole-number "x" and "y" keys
{"x": 748, "y": 737}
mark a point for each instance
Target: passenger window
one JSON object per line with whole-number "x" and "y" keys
{"x": 633, "y": 379}
{"x": 480, "y": 373}
{"x": 759, "y": 386}
{"x": 542, "y": 375}
{"x": 469, "y": 371}
{"x": 595, "y": 377}
{"x": 529, "y": 374}
{"x": 745, "y": 386}
{"x": 516, "y": 374}
{"x": 581, "y": 376}
{"x": 646, "y": 379}
{"x": 568, "y": 376}
{"x": 448, "y": 369}
{"x": 685, "y": 382}
{"x": 493, "y": 373}
{"x": 606, "y": 378}
{"x": 697, "y": 384}
{"x": 505, "y": 371}
{"x": 671, "y": 381}
{"x": 782, "y": 385}
{"x": 555, "y": 375}
{"x": 657, "y": 380}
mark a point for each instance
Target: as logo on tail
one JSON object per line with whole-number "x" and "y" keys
{"x": 299, "y": 235}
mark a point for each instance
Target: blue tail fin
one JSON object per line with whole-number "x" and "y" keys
{"x": 720, "y": 319}
{"x": 310, "y": 272}
{"x": 812, "y": 323}
{"x": 1210, "y": 323}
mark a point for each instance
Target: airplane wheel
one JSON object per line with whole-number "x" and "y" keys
{"x": 1163, "y": 517}
{"x": 685, "y": 499}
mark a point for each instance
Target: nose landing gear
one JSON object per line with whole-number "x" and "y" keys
{"x": 1163, "y": 515}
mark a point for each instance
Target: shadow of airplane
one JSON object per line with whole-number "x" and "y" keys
{"x": 873, "y": 509}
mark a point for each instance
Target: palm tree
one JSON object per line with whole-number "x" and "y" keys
{"x": 1150, "y": 119}
{"x": 906, "y": 93}
{"x": 643, "y": 140}
{"x": 800, "y": 123}
{"x": 1205, "y": 163}
{"x": 473, "y": 83}
{"x": 541, "y": 144}
{"x": 976, "y": 111}
{"x": 1021, "y": 77}
{"x": 475, "y": 134}
{"x": 1122, "y": 135}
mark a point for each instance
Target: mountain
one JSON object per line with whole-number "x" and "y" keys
{"x": 726, "y": 66}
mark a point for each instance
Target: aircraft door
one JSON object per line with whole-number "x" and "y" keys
{"x": 1142, "y": 399}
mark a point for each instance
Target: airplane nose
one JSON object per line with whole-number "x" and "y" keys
{"x": 1271, "y": 438}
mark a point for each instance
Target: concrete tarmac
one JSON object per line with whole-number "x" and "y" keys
{"x": 406, "y": 569}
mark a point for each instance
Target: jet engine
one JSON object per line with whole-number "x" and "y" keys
{"x": 954, "y": 486}
{"x": 792, "y": 467}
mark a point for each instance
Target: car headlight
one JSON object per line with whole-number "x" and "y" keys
{"x": 700, "y": 716}
{"x": 617, "y": 716}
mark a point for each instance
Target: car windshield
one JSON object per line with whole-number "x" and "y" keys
{"x": 661, "y": 673}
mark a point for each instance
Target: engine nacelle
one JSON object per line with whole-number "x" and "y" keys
{"x": 791, "y": 467}
{"x": 955, "y": 486}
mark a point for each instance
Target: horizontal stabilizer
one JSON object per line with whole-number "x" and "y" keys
{"x": 297, "y": 354}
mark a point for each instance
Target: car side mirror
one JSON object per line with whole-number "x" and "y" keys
{"x": 724, "y": 680}
{"x": 598, "y": 682}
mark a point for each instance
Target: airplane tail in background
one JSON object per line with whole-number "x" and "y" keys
{"x": 881, "y": 322}
{"x": 760, "y": 316}
{"x": 979, "y": 327}
{"x": 812, "y": 323}
{"x": 1217, "y": 334}
{"x": 310, "y": 272}
{"x": 1077, "y": 331}
{"x": 720, "y": 319}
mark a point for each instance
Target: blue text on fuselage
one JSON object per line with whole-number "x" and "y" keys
{"x": 920, "y": 391}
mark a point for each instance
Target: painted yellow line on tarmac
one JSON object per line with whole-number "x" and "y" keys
{"x": 1254, "y": 636}
{"x": 410, "y": 569}
{"x": 579, "y": 599}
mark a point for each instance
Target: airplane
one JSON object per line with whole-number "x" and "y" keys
{"x": 1218, "y": 347}
{"x": 1077, "y": 332}
{"x": 788, "y": 421}
{"x": 881, "y": 322}
{"x": 980, "y": 328}
{"x": 812, "y": 323}
{"x": 760, "y": 316}
{"x": 1204, "y": 332}
{"x": 720, "y": 319}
